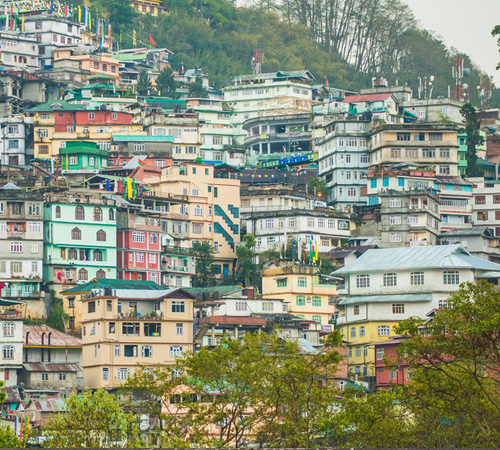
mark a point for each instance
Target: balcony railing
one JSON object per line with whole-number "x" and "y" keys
{"x": 16, "y": 234}
{"x": 19, "y": 293}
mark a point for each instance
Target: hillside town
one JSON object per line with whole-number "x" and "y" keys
{"x": 122, "y": 210}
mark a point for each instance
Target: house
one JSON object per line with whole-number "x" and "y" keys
{"x": 385, "y": 286}
{"x": 21, "y": 247}
{"x": 81, "y": 157}
{"x": 11, "y": 329}
{"x": 130, "y": 328}
{"x": 478, "y": 240}
{"x": 19, "y": 50}
{"x": 15, "y": 136}
{"x": 485, "y": 203}
{"x": 390, "y": 369}
{"x": 378, "y": 106}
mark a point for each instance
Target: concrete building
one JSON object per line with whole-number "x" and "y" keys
{"x": 127, "y": 329}
{"x": 455, "y": 195}
{"x": 435, "y": 110}
{"x": 343, "y": 159}
{"x": 307, "y": 292}
{"x": 15, "y": 135}
{"x": 479, "y": 241}
{"x": 21, "y": 247}
{"x": 385, "y": 286}
{"x": 485, "y": 204}
{"x": 379, "y": 106}
{"x": 18, "y": 50}
{"x": 93, "y": 63}
{"x": 11, "y": 332}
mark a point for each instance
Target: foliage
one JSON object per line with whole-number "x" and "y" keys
{"x": 474, "y": 138}
{"x": 92, "y": 420}
{"x": 456, "y": 369}
{"x": 246, "y": 268}
{"x": 496, "y": 32}
{"x": 144, "y": 86}
{"x": 166, "y": 83}
{"x": 318, "y": 187}
{"x": 196, "y": 89}
{"x": 204, "y": 255}
{"x": 57, "y": 316}
{"x": 8, "y": 439}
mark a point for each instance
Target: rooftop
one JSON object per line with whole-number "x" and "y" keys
{"x": 102, "y": 283}
{"x": 366, "y": 98}
{"x": 56, "y": 339}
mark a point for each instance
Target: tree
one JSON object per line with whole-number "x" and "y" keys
{"x": 205, "y": 256}
{"x": 57, "y": 316}
{"x": 496, "y": 32}
{"x": 196, "y": 89}
{"x": 166, "y": 84}
{"x": 144, "y": 86}
{"x": 455, "y": 361}
{"x": 246, "y": 268}
{"x": 318, "y": 187}
{"x": 474, "y": 138}
{"x": 92, "y": 420}
{"x": 8, "y": 438}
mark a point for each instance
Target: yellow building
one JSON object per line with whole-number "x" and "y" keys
{"x": 307, "y": 292}
{"x": 149, "y": 7}
{"x": 120, "y": 333}
{"x": 212, "y": 208}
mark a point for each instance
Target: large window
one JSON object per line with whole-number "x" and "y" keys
{"x": 123, "y": 373}
{"x": 417, "y": 278}
{"x": 380, "y": 354}
{"x": 8, "y": 352}
{"x": 8, "y": 329}
{"x": 282, "y": 282}
{"x": 363, "y": 281}
{"x": 72, "y": 254}
{"x": 390, "y": 279}
{"x": 451, "y": 277}
{"x": 97, "y": 214}
{"x": 175, "y": 351}
{"x": 302, "y": 282}
{"x": 353, "y": 332}
{"x": 316, "y": 300}
{"x": 130, "y": 329}
{"x": 101, "y": 235}
{"x": 300, "y": 300}
{"x": 16, "y": 247}
{"x": 83, "y": 275}
{"x": 79, "y": 213}
{"x": 178, "y": 306}
{"x": 138, "y": 236}
{"x": 383, "y": 330}
{"x": 76, "y": 234}
{"x": 398, "y": 308}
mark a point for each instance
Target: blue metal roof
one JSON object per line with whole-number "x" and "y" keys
{"x": 386, "y": 299}
{"x": 408, "y": 258}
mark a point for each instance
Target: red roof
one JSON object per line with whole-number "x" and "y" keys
{"x": 366, "y": 98}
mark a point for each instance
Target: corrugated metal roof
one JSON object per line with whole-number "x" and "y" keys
{"x": 101, "y": 283}
{"x": 385, "y": 298}
{"x": 433, "y": 256}
{"x": 489, "y": 274}
{"x": 366, "y": 98}
{"x": 49, "y": 405}
{"x": 135, "y": 138}
{"x": 57, "y": 338}
{"x": 52, "y": 367}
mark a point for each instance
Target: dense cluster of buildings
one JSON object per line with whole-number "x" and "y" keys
{"x": 104, "y": 190}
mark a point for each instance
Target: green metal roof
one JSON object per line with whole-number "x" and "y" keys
{"x": 129, "y": 56}
{"x": 101, "y": 283}
{"x": 222, "y": 290}
{"x": 134, "y": 138}
{"x": 56, "y": 105}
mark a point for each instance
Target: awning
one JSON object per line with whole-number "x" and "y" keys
{"x": 280, "y": 278}
{"x": 489, "y": 274}
{"x": 5, "y": 302}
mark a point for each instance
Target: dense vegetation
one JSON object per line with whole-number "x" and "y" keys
{"x": 345, "y": 41}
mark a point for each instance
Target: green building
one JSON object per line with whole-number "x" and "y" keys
{"x": 80, "y": 238}
{"x": 83, "y": 156}
{"x": 462, "y": 152}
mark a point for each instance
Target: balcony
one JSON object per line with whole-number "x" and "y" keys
{"x": 17, "y": 293}
{"x": 16, "y": 234}
{"x": 176, "y": 269}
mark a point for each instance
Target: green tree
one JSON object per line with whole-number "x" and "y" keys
{"x": 196, "y": 89}
{"x": 92, "y": 420}
{"x": 8, "y": 439}
{"x": 474, "y": 138}
{"x": 246, "y": 268}
{"x": 144, "y": 86}
{"x": 318, "y": 187}
{"x": 57, "y": 316}
{"x": 456, "y": 369}
{"x": 205, "y": 257}
{"x": 166, "y": 84}
{"x": 496, "y": 32}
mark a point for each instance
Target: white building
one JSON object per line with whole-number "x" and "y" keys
{"x": 51, "y": 32}
{"x": 11, "y": 332}
{"x": 343, "y": 158}
{"x": 13, "y": 149}
{"x": 486, "y": 203}
{"x": 18, "y": 50}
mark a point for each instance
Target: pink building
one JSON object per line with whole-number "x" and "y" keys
{"x": 138, "y": 245}
{"x": 388, "y": 370}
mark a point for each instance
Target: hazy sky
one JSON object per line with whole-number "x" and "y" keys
{"x": 465, "y": 25}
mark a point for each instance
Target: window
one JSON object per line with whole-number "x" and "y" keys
{"x": 395, "y": 153}
{"x": 444, "y": 153}
{"x": 97, "y": 255}
{"x": 267, "y": 306}
{"x": 380, "y": 354}
{"x": 395, "y": 237}
{"x": 16, "y": 267}
{"x": 355, "y": 309}
{"x": 316, "y": 301}
{"x": 8, "y": 329}
{"x": 76, "y": 234}
{"x": 123, "y": 373}
{"x": 404, "y": 136}
{"x": 43, "y": 132}
{"x": 395, "y": 220}
{"x": 79, "y": 213}
{"x": 444, "y": 170}
{"x": 451, "y": 277}
{"x": 178, "y": 306}
{"x": 34, "y": 227}
{"x": 130, "y": 351}
{"x": 105, "y": 373}
{"x": 198, "y": 210}
{"x": 62, "y": 377}
{"x": 197, "y": 228}
{"x": 83, "y": 275}
{"x": 97, "y": 214}
{"x": 281, "y": 283}
{"x": 417, "y": 278}
{"x": 482, "y": 215}
{"x": 179, "y": 328}
{"x": 353, "y": 332}
{"x": 117, "y": 350}
{"x": 411, "y": 153}
{"x": 363, "y": 281}
{"x": 395, "y": 203}
{"x": 72, "y": 254}
{"x": 16, "y": 247}
{"x": 139, "y": 147}
{"x": 130, "y": 329}
{"x": 390, "y": 279}
{"x": 300, "y": 300}
{"x": 147, "y": 351}
{"x": 302, "y": 282}
{"x": 91, "y": 307}
{"x": 8, "y": 352}
{"x": 139, "y": 257}
{"x": 383, "y": 330}
{"x": 358, "y": 352}
{"x": 138, "y": 236}
{"x": 316, "y": 318}
{"x": 175, "y": 351}
{"x": 398, "y": 308}
{"x": 153, "y": 238}
{"x": 435, "y": 136}
{"x": 350, "y": 352}
{"x": 101, "y": 235}
{"x": 45, "y": 376}
{"x": 429, "y": 153}
{"x": 361, "y": 331}
{"x": 412, "y": 220}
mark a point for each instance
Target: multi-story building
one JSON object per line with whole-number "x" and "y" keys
{"x": 94, "y": 64}
{"x": 178, "y": 264}
{"x": 479, "y": 241}
{"x": 80, "y": 237}
{"x": 211, "y": 205}
{"x": 52, "y": 362}
{"x": 121, "y": 331}
{"x": 434, "y": 110}
{"x": 148, "y": 7}
{"x": 462, "y": 152}
{"x": 138, "y": 244}
{"x": 486, "y": 203}
{"x": 18, "y": 50}
{"x": 385, "y": 286}
{"x": 390, "y": 368}
{"x": 51, "y": 32}
{"x": 420, "y": 144}
{"x": 14, "y": 133}
{"x": 268, "y": 94}
{"x": 307, "y": 292}
{"x": 455, "y": 195}
{"x": 11, "y": 332}
{"x": 323, "y": 228}
{"x": 380, "y": 106}
{"x": 21, "y": 241}
{"x": 343, "y": 158}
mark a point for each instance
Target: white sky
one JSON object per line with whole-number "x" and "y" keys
{"x": 465, "y": 25}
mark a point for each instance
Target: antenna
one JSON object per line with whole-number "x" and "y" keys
{"x": 257, "y": 60}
